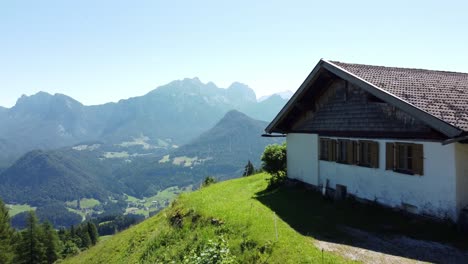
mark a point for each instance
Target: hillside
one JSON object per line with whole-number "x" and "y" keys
{"x": 235, "y": 138}
{"x": 43, "y": 176}
{"x": 222, "y": 152}
{"x": 227, "y": 215}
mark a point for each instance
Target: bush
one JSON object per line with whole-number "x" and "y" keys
{"x": 276, "y": 179}
{"x": 212, "y": 252}
{"x": 274, "y": 158}
{"x": 274, "y": 162}
{"x": 208, "y": 181}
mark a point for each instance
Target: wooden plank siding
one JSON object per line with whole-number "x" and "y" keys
{"x": 343, "y": 109}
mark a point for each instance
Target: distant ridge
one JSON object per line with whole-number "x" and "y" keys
{"x": 177, "y": 112}
{"x": 284, "y": 94}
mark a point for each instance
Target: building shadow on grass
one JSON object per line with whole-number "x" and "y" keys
{"x": 366, "y": 226}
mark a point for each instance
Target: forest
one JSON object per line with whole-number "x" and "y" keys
{"x": 39, "y": 242}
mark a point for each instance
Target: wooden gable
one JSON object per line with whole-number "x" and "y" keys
{"x": 339, "y": 108}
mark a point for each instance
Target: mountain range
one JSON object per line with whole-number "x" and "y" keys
{"x": 169, "y": 116}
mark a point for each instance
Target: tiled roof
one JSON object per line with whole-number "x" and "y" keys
{"x": 439, "y": 93}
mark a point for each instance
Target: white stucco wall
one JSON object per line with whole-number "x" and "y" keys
{"x": 302, "y": 157}
{"x": 461, "y": 152}
{"x": 434, "y": 193}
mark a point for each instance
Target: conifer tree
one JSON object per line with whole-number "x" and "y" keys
{"x": 30, "y": 249}
{"x": 6, "y": 233}
{"x": 248, "y": 169}
{"x": 50, "y": 241}
{"x": 82, "y": 233}
{"x": 93, "y": 233}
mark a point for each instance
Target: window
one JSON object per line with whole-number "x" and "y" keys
{"x": 345, "y": 152}
{"x": 362, "y": 153}
{"x": 405, "y": 158}
{"x": 368, "y": 154}
{"x": 342, "y": 151}
{"x": 327, "y": 149}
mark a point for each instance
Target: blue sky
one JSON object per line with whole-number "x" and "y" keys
{"x": 101, "y": 51}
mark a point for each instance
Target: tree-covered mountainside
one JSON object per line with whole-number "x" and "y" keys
{"x": 43, "y": 176}
{"x": 40, "y": 176}
{"x": 98, "y": 170}
{"x": 221, "y": 152}
{"x": 233, "y": 140}
{"x": 175, "y": 113}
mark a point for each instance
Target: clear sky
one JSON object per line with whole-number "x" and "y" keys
{"x": 101, "y": 51}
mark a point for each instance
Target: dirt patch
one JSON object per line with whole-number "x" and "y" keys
{"x": 378, "y": 248}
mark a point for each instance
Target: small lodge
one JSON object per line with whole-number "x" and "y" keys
{"x": 395, "y": 136}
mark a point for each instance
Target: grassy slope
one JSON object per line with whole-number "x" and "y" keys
{"x": 246, "y": 223}
{"x": 84, "y": 203}
{"x": 19, "y": 208}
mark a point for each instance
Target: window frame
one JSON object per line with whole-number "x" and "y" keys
{"x": 368, "y": 153}
{"x": 405, "y": 157}
{"x": 404, "y": 160}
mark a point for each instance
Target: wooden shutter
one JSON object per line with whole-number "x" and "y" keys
{"x": 418, "y": 159}
{"x": 396, "y": 155}
{"x": 321, "y": 149}
{"x": 333, "y": 151}
{"x": 324, "y": 148}
{"x": 350, "y": 152}
{"x": 389, "y": 155}
{"x": 374, "y": 150}
{"x": 357, "y": 152}
{"x": 330, "y": 150}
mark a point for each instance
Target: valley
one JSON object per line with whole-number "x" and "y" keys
{"x": 127, "y": 158}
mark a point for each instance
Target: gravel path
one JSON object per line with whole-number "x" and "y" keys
{"x": 377, "y": 248}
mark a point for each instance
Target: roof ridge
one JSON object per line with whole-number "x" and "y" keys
{"x": 398, "y": 68}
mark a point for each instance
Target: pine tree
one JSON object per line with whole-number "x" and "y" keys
{"x": 30, "y": 249}
{"x": 6, "y": 233}
{"x": 248, "y": 169}
{"x": 50, "y": 240}
{"x": 82, "y": 233}
{"x": 93, "y": 233}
